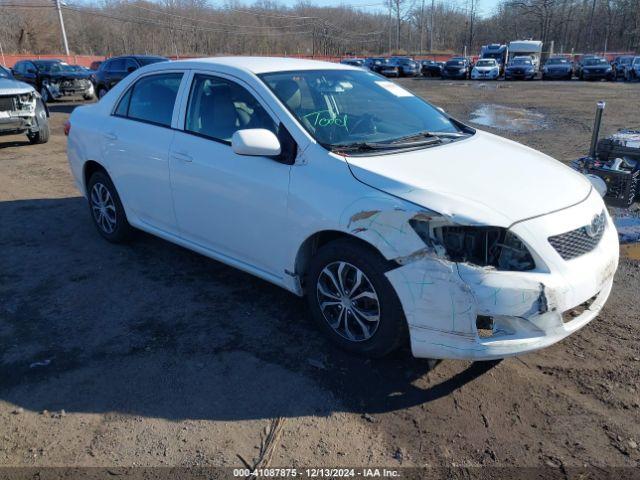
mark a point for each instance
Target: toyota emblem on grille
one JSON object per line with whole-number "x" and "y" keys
{"x": 593, "y": 229}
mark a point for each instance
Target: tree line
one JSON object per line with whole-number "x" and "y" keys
{"x": 266, "y": 27}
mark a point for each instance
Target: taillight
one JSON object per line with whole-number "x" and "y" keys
{"x": 67, "y": 127}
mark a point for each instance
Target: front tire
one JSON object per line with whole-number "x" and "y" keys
{"x": 102, "y": 92}
{"x": 352, "y": 300}
{"x": 106, "y": 209}
{"x": 41, "y": 135}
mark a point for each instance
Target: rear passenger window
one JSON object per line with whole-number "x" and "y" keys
{"x": 123, "y": 106}
{"x": 151, "y": 99}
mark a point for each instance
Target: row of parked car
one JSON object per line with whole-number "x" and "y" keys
{"x": 54, "y": 79}
{"x": 589, "y": 67}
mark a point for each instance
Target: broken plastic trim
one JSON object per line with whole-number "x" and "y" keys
{"x": 482, "y": 246}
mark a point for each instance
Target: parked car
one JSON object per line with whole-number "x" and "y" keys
{"x": 407, "y": 67}
{"x": 581, "y": 60}
{"x": 457, "y": 67}
{"x": 392, "y": 228}
{"x": 634, "y": 71}
{"x": 21, "y": 109}
{"x": 115, "y": 69}
{"x": 557, "y": 68}
{"x": 485, "y": 69}
{"x": 596, "y": 68}
{"x": 389, "y": 69}
{"x": 356, "y": 62}
{"x": 520, "y": 68}
{"x": 431, "y": 68}
{"x": 54, "y": 79}
{"x": 375, "y": 64}
{"x": 620, "y": 65}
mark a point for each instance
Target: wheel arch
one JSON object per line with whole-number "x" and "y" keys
{"x": 317, "y": 240}
{"x": 89, "y": 168}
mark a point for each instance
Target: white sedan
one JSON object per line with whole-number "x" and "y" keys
{"x": 397, "y": 222}
{"x": 485, "y": 69}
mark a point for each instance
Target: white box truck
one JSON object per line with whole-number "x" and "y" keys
{"x": 526, "y": 48}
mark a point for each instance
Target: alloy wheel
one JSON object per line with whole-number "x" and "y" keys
{"x": 348, "y": 301}
{"x": 103, "y": 208}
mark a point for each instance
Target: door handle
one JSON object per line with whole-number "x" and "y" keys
{"x": 183, "y": 157}
{"x": 110, "y": 136}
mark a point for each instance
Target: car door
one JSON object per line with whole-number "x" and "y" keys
{"x": 115, "y": 72}
{"x": 232, "y": 204}
{"x": 137, "y": 139}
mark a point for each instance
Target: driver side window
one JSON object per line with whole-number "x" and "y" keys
{"x": 218, "y": 108}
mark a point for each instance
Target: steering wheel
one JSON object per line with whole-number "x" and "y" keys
{"x": 365, "y": 125}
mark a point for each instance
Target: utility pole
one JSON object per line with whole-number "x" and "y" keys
{"x": 422, "y": 27}
{"x": 431, "y": 27}
{"x": 64, "y": 32}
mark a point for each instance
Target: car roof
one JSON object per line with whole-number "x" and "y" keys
{"x": 42, "y": 62}
{"x": 258, "y": 65}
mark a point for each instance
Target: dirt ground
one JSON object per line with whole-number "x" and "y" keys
{"x": 149, "y": 354}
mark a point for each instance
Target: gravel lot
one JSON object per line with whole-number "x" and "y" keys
{"x": 148, "y": 354}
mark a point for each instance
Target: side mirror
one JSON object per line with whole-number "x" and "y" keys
{"x": 255, "y": 142}
{"x": 131, "y": 69}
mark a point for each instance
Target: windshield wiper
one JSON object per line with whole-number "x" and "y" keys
{"x": 429, "y": 134}
{"x": 371, "y": 146}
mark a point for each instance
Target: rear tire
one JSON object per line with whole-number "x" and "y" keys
{"x": 346, "y": 286}
{"x": 106, "y": 209}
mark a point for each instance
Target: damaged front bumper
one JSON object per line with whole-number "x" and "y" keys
{"x": 463, "y": 311}
{"x": 68, "y": 88}
{"x": 20, "y": 118}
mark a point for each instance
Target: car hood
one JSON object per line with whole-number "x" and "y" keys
{"x": 519, "y": 67}
{"x": 481, "y": 180}
{"x": 9, "y": 86}
{"x": 558, "y": 67}
{"x": 485, "y": 69}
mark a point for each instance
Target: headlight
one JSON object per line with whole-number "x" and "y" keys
{"x": 483, "y": 246}
{"x": 608, "y": 69}
{"x": 545, "y": 69}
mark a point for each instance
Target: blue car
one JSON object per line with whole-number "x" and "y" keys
{"x": 521, "y": 68}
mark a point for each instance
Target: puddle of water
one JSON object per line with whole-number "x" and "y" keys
{"x": 631, "y": 251}
{"x": 628, "y": 226}
{"x": 508, "y": 118}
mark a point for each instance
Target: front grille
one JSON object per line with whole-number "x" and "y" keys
{"x": 7, "y": 103}
{"x": 581, "y": 240}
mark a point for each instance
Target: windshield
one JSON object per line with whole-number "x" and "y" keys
{"x": 455, "y": 62}
{"x": 486, "y": 63}
{"x": 557, "y": 61}
{"x": 4, "y": 73}
{"x": 595, "y": 61}
{"x": 340, "y": 107}
{"x": 521, "y": 61}
{"x": 58, "y": 67}
{"x": 496, "y": 55}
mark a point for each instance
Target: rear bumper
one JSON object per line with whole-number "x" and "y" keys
{"x": 443, "y": 301}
